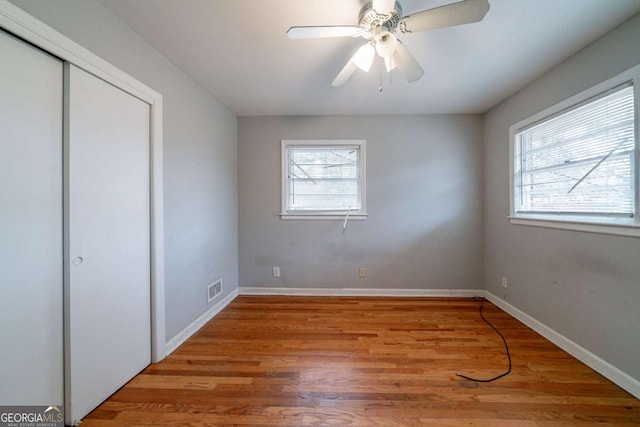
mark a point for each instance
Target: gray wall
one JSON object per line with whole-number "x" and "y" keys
{"x": 585, "y": 286}
{"x": 424, "y": 199}
{"x": 200, "y": 156}
{"x": 424, "y": 190}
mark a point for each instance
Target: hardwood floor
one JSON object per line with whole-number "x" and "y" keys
{"x": 297, "y": 361}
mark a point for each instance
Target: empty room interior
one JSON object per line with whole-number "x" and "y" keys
{"x": 320, "y": 212}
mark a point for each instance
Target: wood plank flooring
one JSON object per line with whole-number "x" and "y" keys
{"x": 337, "y": 361}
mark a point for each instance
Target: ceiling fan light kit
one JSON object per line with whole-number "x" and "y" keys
{"x": 363, "y": 57}
{"x": 386, "y": 43}
{"x": 379, "y": 23}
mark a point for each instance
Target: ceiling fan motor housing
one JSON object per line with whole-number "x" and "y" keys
{"x": 369, "y": 20}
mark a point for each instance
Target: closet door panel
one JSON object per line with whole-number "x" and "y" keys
{"x": 31, "y": 341}
{"x": 108, "y": 273}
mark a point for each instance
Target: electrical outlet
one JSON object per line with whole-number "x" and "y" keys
{"x": 362, "y": 272}
{"x": 505, "y": 283}
{"x": 276, "y": 272}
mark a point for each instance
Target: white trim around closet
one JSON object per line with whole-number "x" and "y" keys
{"x": 21, "y": 24}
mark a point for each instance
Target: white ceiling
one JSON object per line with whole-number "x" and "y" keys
{"x": 238, "y": 51}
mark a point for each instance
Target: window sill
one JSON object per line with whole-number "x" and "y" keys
{"x": 323, "y": 217}
{"x": 616, "y": 229}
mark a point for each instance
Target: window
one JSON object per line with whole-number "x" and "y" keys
{"x": 323, "y": 179}
{"x": 578, "y": 162}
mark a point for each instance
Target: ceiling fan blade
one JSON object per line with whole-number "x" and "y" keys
{"x": 345, "y": 74}
{"x": 407, "y": 64}
{"x": 463, "y": 12}
{"x": 384, "y": 7}
{"x": 296, "y": 33}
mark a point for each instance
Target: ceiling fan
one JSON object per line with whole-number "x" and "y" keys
{"x": 379, "y": 23}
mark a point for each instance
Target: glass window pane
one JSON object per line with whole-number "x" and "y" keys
{"x": 323, "y": 178}
{"x": 580, "y": 161}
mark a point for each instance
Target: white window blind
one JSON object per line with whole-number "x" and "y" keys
{"x": 580, "y": 161}
{"x": 323, "y": 178}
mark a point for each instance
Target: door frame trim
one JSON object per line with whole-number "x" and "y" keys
{"x": 18, "y": 22}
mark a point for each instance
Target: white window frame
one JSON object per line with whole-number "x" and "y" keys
{"x": 360, "y": 214}
{"x": 602, "y": 225}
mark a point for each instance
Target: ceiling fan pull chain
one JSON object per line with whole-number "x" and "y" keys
{"x": 381, "y": 66}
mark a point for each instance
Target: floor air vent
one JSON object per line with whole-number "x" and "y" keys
{"x": 214, "y": 290}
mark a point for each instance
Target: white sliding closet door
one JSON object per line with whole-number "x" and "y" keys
{"x": 108, "y": 248}
{"x": 31, "y": 350}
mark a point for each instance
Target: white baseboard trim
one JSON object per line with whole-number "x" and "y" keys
{"x": 606, "y": 369}
{"x": 609, "y": 371}
{"x": 194, "y": 326}
{"x": 356, "y": 292}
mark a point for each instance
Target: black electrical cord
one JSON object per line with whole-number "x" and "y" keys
{"x": 506, "y": 347}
